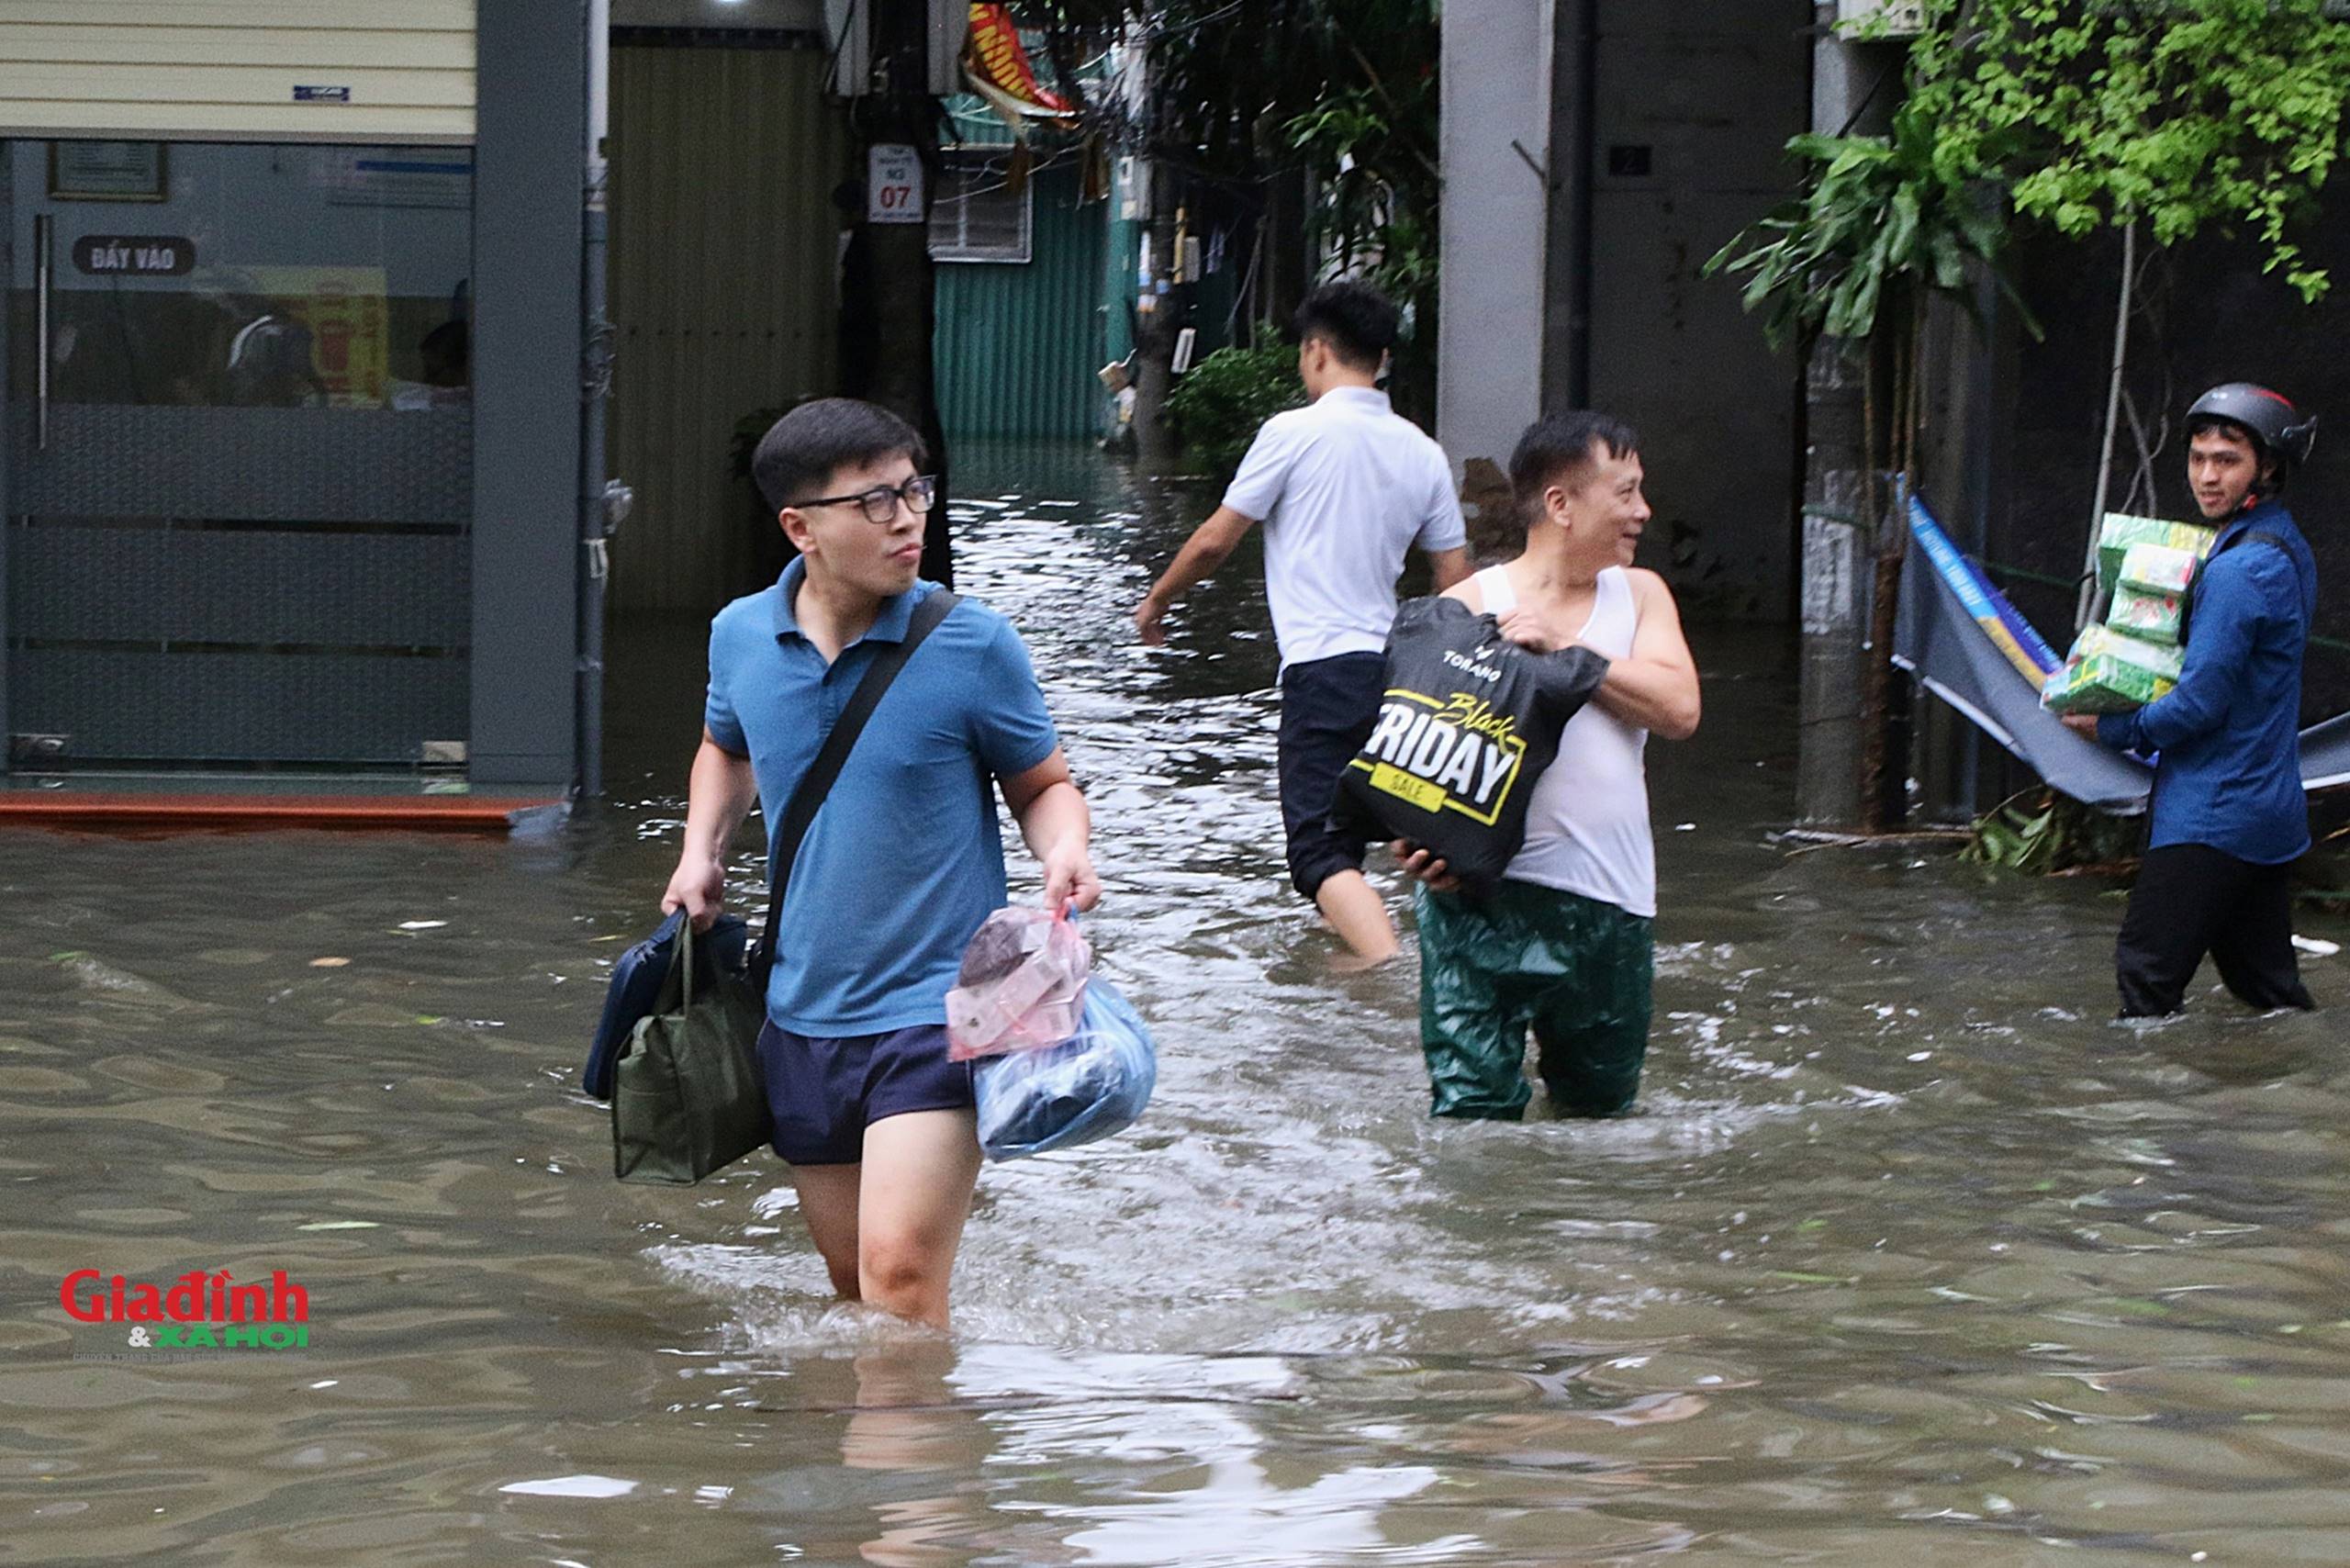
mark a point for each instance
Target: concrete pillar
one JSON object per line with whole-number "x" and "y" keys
{"x": 1837, "y": 570}
{"x": 530, "y": 168}
{"x": 1494, "y": 147}
{"x": 1851, "y": 93}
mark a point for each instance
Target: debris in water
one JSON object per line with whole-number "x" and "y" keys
{"x": 572, "y": 1486}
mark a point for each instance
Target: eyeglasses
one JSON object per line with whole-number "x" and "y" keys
{"x": 880, "y": 503}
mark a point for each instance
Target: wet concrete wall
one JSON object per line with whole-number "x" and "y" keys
{"x": 1693, "y": 103}
{"x": 1494, "y": 135}
{"x": 1696, "y": 101}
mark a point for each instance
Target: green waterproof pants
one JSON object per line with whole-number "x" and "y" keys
{"x": 1574, "y": 971}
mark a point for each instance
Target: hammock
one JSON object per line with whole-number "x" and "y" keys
{"x": 1962, "y": 640}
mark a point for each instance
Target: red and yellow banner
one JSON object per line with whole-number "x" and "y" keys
{"x": 998, "y": 65}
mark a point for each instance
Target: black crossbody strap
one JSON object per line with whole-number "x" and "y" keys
{"x": 817, "y": 783}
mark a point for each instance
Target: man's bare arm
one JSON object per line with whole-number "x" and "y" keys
{"x": 1656, "y": 686}
{"x": 1447, "y": 568}
{"x": 719, "y": 793}
{"x": 1210, "y": 546}
{"x": 1058, "y": 827}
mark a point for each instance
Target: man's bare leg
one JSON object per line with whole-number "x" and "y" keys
{"x": 919, "y": 1172}
{"x": 1359, "y": 915}
{"x": 828, "y": 1204}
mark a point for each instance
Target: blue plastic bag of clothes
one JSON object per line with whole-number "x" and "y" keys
{"x": 1090, "y": 1086}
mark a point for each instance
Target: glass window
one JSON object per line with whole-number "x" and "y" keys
{"x": 245, "y": 276}
{"x": 977, "y": 215}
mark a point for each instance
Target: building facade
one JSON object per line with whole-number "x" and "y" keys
{"x": 291, "y": 428}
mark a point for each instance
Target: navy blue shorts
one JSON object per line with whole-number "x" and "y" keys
{"x": 1328, "y": 709}
{"x": 825, "y": 1092}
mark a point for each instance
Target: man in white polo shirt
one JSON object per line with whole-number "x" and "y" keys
{"x": 1344, "y": 488}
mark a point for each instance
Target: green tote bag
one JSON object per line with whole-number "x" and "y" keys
{"x": 688, "y": 1096}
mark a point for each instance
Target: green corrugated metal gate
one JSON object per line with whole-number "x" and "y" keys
{"x": 1017, "y": 343}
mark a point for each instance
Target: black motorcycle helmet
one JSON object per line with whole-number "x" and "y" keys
{"x": 2282, "y": 431}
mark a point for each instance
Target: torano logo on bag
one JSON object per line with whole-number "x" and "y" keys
{"x": 196, "y": 1312}
{"x": 1466, "y": 715}
{"x": 1473, "y": 664}
{"x": 1457, "y": 754}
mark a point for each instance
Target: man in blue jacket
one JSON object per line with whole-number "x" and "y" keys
{"x": 2230, "y": 817}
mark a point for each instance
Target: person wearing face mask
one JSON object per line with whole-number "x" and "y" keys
{"x": 1564, "y": 944}
{"x": 1344, "y": 488}
{"x": 2229, "y": 814}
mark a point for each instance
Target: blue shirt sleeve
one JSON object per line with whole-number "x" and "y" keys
{"x": 2231, "y": 603}
{"x": 1009, "y": 728}
{"x": 717, "y": 709}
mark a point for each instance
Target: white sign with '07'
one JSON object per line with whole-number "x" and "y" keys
{"x": 893, "y": 184}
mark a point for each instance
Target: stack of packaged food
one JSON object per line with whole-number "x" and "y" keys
{"x": 2145, "y": 566}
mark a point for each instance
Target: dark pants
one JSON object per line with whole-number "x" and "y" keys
{"x": 2191, "y": 900}
{"x": 1574, "y": 971}
{"x": 1328, "y": 707}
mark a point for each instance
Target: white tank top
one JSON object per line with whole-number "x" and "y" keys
{"x": 1587, "y": 826}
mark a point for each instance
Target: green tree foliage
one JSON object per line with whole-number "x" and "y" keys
{"x": 1881, "y": 221}
{"x": 1370, "y": 138}
{"x": 1241, "y": 92}
{"x": 1217, "y": 408}
{"x": 2041, "y": 832}
{"x": 2083, "y": 113}
{"x": 2185, "y": 114}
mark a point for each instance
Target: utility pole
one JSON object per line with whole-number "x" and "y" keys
{"x": 1161, "y": 283}
{"x": 886, "y": 285}
{"x": 1162, "y": 308}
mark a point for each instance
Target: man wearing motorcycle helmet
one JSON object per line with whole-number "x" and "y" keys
{"x": 2230, "y": 817}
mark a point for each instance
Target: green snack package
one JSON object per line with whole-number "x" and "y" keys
{"x": 2118, "y": 532}
{"x": 2143, "y": 614}
{"x": 2108, "y": 672}
{"x": 2159, "y": 568}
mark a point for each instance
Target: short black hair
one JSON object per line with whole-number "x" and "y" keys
{"x": 2202, "y": 423}
{"x": 800, "y": 452}
{"x": 1357, "y": 321}
{"x": 1556, "y": 450}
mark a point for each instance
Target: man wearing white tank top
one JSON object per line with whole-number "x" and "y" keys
{"x": 1563, "y": 945}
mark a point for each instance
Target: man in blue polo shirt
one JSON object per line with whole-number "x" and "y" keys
{"x": 2230, "y": 817}
{"x": 901, "y": 864}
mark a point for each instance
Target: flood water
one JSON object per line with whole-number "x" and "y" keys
{"x": 1907, "y": 1256}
